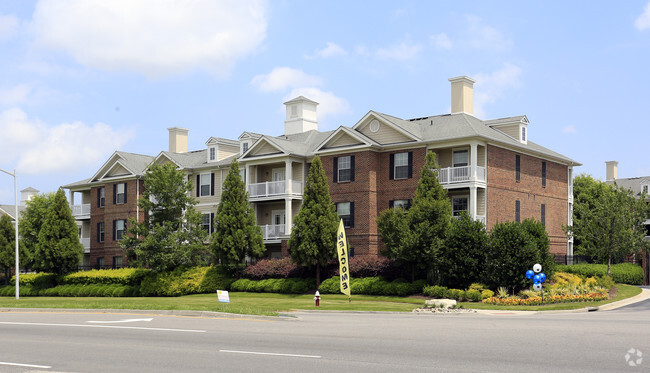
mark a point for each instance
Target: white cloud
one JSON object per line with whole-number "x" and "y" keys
{"x": 15, "y": 95}
{"x": 643, "y": 22}
{"x": 331, "y": 50}
{"x": 490, "y": 87}
{"x": 569, "y": 129}
{"x": 482, "y": 36}
{"x": 329, "y": 104}
{"x": 154, "y": 38}
{"x": 39, "y": 148}
{"x": 8, "y": 26}
{"x": 282, "y": 78}
{"x": 401, "y": 52}
{"x": 441, "y": 41}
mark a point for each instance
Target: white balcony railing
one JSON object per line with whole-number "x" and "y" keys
{"x": 273, "y": 188}
{"x": 79, "y": 211}
{"x": 480, "y": 218}
{"x": 461, "y": 174}
{"x": 273, "y": 231}
{"x": 85, "y": 241}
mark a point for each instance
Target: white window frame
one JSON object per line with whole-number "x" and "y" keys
{"x": 119, "y": 233}
{"x": 349, "y": 212}
{"x": 102, "y": 196}
{"x": 453, "y": 158}
{"x": 645, "y": 188}
{"x": 207, "y": 176}
{"x": 457, "y": 212}
{"x": 209, "y": 225}
{"x": 119, "y": 193}
{"x": 341, "y": 163}
{"x": 398, "y": 165}
{"x": 400, "y": 203}
{"x": 212, "y": 154}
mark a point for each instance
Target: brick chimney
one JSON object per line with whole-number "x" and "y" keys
{"x": 462, "y": 95}
{"x": 301, "y": 116}
{"x": 178, "y": 139}
{"x": 611, "y": 170}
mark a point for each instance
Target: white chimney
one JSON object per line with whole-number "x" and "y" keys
{"x": 462, "y": 95}
{"x": 178, "y": 139}
{"x": 301, "y": 116}
{"x": 611, "y": 170}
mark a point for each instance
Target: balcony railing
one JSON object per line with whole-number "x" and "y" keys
{"x": 480, "y": 218}
{"x": 85, "y": 241}
{"x": 273, "y": 188}
{"x": 79, "y": 211}
{"x": 460, "y": 174}
{"x": 273, "y": 231}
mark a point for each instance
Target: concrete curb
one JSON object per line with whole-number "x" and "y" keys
{"x": 644, "y": 295}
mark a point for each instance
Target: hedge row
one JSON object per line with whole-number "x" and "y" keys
{"x": 37, "y": 280}
{"x": 275, "y": 285}
{"x": 96, "y": 290}
{"x": 183, "y": 281}
{"x": 473, "y": 294}
{"x": 373, "y": 286}
{"x": 624, "y": 273}
{"x": 123, "y": 276}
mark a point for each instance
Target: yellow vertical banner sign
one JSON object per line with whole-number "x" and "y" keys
{"x": 344, "y": 264}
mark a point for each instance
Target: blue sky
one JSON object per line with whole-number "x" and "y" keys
{"x": 80, "y": 79}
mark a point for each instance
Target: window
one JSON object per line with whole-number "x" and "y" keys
{"x": 244, "y": 147}
{"x": 119, "y": 193}
{"x": 400, "y": 203}
{"x": 344, "y": 169}
{"x": 100, "y": 262}
{"x": 517, "y": 168}
{"x": 517, "y": 211}
{"x": 101, "y": 196}
{"x": 213, "y": 153}
{"x": 117, "y": 262}
{"x": 543, "y": 215}
{"x": 205, "y": 185}
{"x": 458, "y": 205}
{"x": 523, "y": 133}
{"x": 460, "y": 158}
{"x": 346, "y": 212}
{"x": 543, "y": 174}
{"x": 401, "y": 166}
{"x": 118, "y": 229}
{"x": 644, "y": 189}
{"x": 207, "y": 222}
{"x": 100, "y": 232}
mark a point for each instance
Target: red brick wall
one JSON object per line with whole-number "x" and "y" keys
{"x": 503, "y": 191}
{"x": 110, "y": 248}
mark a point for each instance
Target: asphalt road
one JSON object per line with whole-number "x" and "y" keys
{"x": 327, "y": 342}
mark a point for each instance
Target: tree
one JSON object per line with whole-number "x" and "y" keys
{"x": 313, "y": 238}
{"x": 538, "y": 234}
{"x": 171, "y": 234}
{"x": 58, "y": 249}
{"x": 30, "y": 223}
{"x": 236, "y": 234}
{"x": 609, "y": 221}
{"x": 587, "y": 192}
{"x": 415, "y": 237}
{"x": 464, "y": 253}
{"x": 7, "y": 246}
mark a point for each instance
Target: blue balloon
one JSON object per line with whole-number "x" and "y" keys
{"x": 529, "y": 274}
{"x": 542, "y": 277}
{"x": 537, "y": 279}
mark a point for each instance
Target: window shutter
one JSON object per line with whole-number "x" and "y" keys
{"x": 410, "y": 165}
{"x": 351, "y": 214}
{"x": 114, "y": 232}
{"x": 114, "y": 193}
{"x": 351, "y": 168}
{"x": 198, "y": 185}
{"x": 336, "y": 170}
{"x": 517, "y": 168}
{"x": 391, "y": 172}
{"x": 212, "y": 184}
{"x": 211, "y": 222}
{"x": 543, "y": 174}
{"x": 391, "y": 204}
{"x": 99, "y": 194}
{"x": 98, "y": 232}
{"x": 517, "y": 211}
{"x": 124, "y": 192}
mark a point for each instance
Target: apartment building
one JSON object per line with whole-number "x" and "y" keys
{"x": 490, "y": 168}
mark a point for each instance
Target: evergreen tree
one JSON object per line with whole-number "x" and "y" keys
{"x": 236, "y": 234}
{"x": 29, "y": 226}
{"x": 59, "y": 249}
{"x": 313, "y": 238}
{"x": 464, "y": 253}
{"x": 415, "y": 237}
{"x": 538, "y": 234}
{"x": 7, "y": 246}
{"x": 171, "y": 234}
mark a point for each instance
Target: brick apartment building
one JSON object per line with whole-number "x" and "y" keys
{"x": 490, "y": 169}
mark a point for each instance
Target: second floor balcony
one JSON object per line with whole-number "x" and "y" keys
{"x": 273, "y": 231}
{"x": 275, "y": 188}
{"x": 81, "y": 211}
{"x": 85, "y": 241}
{"x": 461, "y": 174}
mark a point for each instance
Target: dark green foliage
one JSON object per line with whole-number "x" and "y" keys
{"x": 623, "y": 273}
{"x": 37, "y": 280}
{"x": 464, "y": 253}
{"x": 538, "y": 234}
{"x": 373, "y": 286}
{"x": 473, "y": 295}
{"x": 171, "y": 234}
{"x": 436, "y": 291}
{"x": 313, "y": 238}
{"x": 7, "y": 246}
{"x": 183, "y": 281}
{"x": 58, "y": 249}
{"x": 274, "y": 285}
{"x": 416, "y": 236}
{"x": 29, "y": 226}
{"x": 236, "y": 234}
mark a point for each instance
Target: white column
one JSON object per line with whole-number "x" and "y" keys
{"x": 248, "y": 176}
{"x": 288, "y": 177}
{"x": 288, "y": 216}
{"x": 472, "y": 202}
{"x": 473, "y": 160}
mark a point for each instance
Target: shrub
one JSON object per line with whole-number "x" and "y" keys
{"x": 184, "y": 281}
{"x": 591, "y": 282}
{"x": 477, "y": 286}
{"x": 625, "y": 273}
{"x": 271, "y": 268}
{"x": 473, "y": 295}
{"x": 457, "y": 294}
{"x": 366, "y": 266}
{"x": 240, "y": 285}
{"x": 605, "y": 282}
{"x": 435, "y": 291}
{"x": 122, "y": 276}
{"x": 36, "y": 280}
{"x": 277, "y": 285}
{"x": 330, "y": 286}
{"x": 487, "y": 293}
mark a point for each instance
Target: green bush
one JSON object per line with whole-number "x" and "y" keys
{"x": 605, "y": 282}
{"x": 36, "y": 280}
{"x": 330, "y": 286}
{"x": 184, "y": 281}
{"x": 624, "y": 273}
{"x": 473, "y": 295}
{"x": 436, "y": 291}
{"x": 123, "y": 276}
{"x": 274, "y": 285}
{"x": 487, "y": 293}
{"x": 457, "y": 294}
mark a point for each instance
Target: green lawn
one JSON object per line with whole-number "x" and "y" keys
{"x": 272, "y": 304}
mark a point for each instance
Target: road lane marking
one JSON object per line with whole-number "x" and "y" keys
{"x": 25, "y": 365}
{"x": 104, "y": 326}
{"x": 270, "y": 353}
{"x": 119, "y": 321}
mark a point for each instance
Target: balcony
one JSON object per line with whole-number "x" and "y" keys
{"x": 81, "y": 211}
{"x": 85, "y": 241}
{"x": 274, "y": 188}
{"x": 451, "y": 175}
{"x": 273, "y": 231}
{"x": 480, "y": 218}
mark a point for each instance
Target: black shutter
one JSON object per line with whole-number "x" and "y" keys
{"x": 351, "y": 214}
{"x": 98, "y": 232}
{"x": 212, "y": 184}
{"x": 114, "y": 193}
{"x": 198, "y": 185}
{"x": 517, "y": 211}
{"x": 517, "y": 168}
{"x": 408, "y": 204}
{"x": 391, "y": 171}
{"x": 336, "y": 170}
{"x": 352, "y": 168}
{"x": 124, "y": 192}
{"x": 114, "y": 233}
{"x": 391, "y": 204}
{"x": 543, "y": 174}
{"x": 211, "y": 222}
{"x": 410, "y": 165}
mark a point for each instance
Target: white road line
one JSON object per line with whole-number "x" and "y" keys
{"x": 25, "y": 365}
{"x": 118, "y": 321}
{"x": 104, "y": 326}
{"x": 269, "y": 353}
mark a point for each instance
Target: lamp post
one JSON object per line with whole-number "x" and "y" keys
{"x": 16, "y": 226}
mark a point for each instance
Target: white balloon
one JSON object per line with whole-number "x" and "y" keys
{"x": 537, "y": 287}
{"x": 537, "y": 268}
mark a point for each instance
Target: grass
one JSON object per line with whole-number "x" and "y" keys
{"x": 273, "y": 304}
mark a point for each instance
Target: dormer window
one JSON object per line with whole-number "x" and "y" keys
{"x": 523, "y": 134}
{"x": 644, "y": 189}
{"x": 212, "y": 156}
{"x": 244, "y": 147}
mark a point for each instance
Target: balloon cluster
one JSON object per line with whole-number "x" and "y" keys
{"x": 537, "y": 276}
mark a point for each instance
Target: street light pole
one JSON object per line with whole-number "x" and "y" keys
{"x": 16, "y": 227}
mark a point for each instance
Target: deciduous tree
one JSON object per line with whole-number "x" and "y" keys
{"x": 7, "y": 246}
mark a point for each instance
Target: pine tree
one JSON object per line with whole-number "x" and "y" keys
{"x": 313, "y": 238}
{"x": 7, "y": 246}
{"x": 59, "y": 249}
{"x": 236, "y": 234}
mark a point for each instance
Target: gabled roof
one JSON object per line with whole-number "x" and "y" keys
{"x": 10, "y": 210}
{"x": 189, "y": 160}
{"x": 404, "y": 127}
{"x": 135, "y": 164}
{"x": 220, "y": 140}
{"x": 635, "y": 184}
{"x": 363, "y": 140}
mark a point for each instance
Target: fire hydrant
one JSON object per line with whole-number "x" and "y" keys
{"x": 317, "y": 298}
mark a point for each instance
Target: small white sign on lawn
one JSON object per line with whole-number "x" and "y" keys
{"x": 223, "y": 296}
